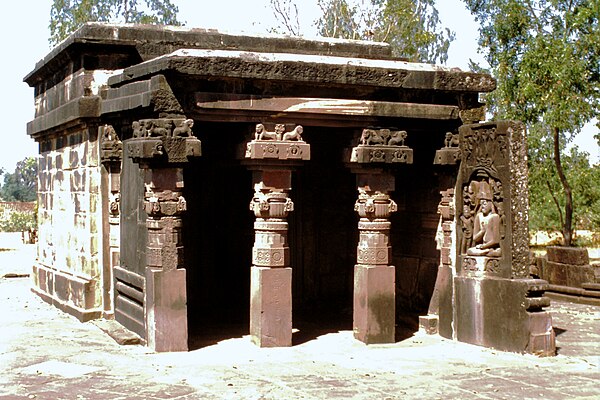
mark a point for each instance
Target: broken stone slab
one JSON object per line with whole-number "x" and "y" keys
{"x": 118, "y": 332}
{"x": 429, "y": 324}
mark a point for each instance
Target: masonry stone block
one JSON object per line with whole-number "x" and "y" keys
{"x": 568, "y": 255}
{"x": 271, "y": 306}
{"x": 374, "y": 304}
{"x": 166, "y": 310}
{"x": 493, "y": 312}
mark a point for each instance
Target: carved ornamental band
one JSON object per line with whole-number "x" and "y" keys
{"x": 382, "y": 146}
{"x": 278, "y": 144}
{"x": 164, "y": 139}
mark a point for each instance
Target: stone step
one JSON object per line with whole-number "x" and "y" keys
{"x": 574, "y": 291}
{"x": 591, "y": 286}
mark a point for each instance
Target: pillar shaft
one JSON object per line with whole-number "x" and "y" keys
{"x": 374, "y": 316}
{"x": 162, "y": 147}
{"x": 166, "y": 297}
{"x": 111, "y": 155}
{"x": 272, "y": 155}
{"x": 271, "y": 276}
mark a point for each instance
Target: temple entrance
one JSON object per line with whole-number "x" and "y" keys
{"x": 218, "y": 235}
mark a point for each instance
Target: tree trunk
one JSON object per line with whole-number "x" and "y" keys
{"x": 567, "y": 228}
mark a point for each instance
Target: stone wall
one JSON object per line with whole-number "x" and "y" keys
{"x": 68, "y": 271}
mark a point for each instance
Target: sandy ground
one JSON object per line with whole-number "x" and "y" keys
{"x": 46, "y": 354}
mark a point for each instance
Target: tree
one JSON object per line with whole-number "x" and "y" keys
{"x": 286, "y": 12}
{"x": 546, "y": 197}
{"x": 545, "y": 55}
{"x": 411, "y": 27}
{"x": 21, "y": 185}
{"x": 68, "y": 15}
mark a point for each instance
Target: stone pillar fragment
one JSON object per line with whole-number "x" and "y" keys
{"x": 272, "y": 156}
{"x": 162, "y": 147}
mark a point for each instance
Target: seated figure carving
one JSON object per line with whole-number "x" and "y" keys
{"x": 486, "y": 230}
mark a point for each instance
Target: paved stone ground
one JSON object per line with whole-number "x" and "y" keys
{"x": 46, "y": 354}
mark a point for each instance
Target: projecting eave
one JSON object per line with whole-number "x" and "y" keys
{"x": 309, "y": 70}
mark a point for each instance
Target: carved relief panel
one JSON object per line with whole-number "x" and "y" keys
{"x": 485, "y": 200}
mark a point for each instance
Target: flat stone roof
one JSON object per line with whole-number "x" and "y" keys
{"x": 150, "y": 41}
{"x": 309, "y": 68}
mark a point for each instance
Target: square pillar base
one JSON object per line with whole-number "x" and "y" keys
{"x": 271, "y": 306}
{"x": 429, "y": 324}
{"x": 166, "y": 310}
{"x": 374, "y": 304}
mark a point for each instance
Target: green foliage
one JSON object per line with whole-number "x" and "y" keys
{"x": 546, "y": 194}
{"x": 21, "y": 185}
{"x": 19, "y": 222}
{"x": 411, "y": 27}
{"x": 68, "y": 15}
{"x": 545, "y": 55}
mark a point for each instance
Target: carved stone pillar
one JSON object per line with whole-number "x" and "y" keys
{"x": 374, "y": 315}
{"x": 111, "y": 155}
{"x": 162, "y": 147}
{"x": 272, "y": 156}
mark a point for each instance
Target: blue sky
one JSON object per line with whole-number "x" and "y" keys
{"x": 25, "y": 41}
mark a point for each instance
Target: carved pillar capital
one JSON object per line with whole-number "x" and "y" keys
{"x": 374, "y": 205}
{"x": 278, "y": 144}
{"x": 270, "y": 204}
{"x": 111, "y": 147}
{"x": 163, "y": 141}
{"x": 450, "y": 153}
{"x": 382, "y": 146}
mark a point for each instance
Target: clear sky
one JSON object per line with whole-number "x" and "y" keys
{"x": 24, "y": 33}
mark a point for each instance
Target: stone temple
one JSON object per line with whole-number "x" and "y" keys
{"x": 191, "y": 179}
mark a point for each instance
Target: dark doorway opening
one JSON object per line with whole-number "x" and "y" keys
{"x": 218, "y": 235}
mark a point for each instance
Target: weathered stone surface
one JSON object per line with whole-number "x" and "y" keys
{"x": 567, "y": 274}
{"x": 271, "y": 306}
{"x": 257, "y": 150}
{"x": 374, "y": 315}
{"x": 309, "y": 69}
{"x": 494, "y": 312}
{"x": 166, "y": 308}
{"x": 154, "y": 92}
{"x": 116, "y": 331}
{"x": 82, "y": 107}
{"x": 318, "y": 106}
{"x": 568, "y": 255}
{"x": 429, "y": 324}
{"x": 136, "y": 233}
{"x": 68, "y": 235}
{"x": 271, "y": 155}
{"x": 76, "y": 296}
{"x": 374, "y": 304}
{"x": 150, "y": 41}
{"x": 494, "y": 169}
